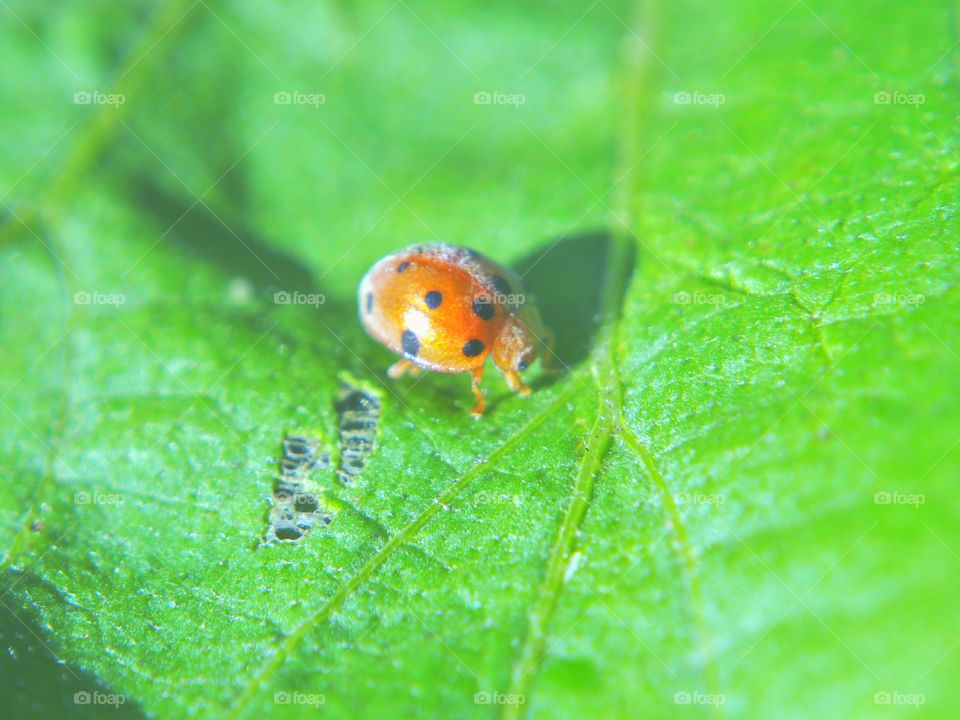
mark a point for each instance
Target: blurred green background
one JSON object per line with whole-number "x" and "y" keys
{"x": 740, "y": 219}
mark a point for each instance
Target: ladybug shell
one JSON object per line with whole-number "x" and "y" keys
{"x": 439, "y": 306}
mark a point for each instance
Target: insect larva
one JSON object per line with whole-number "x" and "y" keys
{"x": 295, "y": 507}
{"x": 359, "y": 412}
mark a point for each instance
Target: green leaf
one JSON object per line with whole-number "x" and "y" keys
{"x": 740, "y": 222}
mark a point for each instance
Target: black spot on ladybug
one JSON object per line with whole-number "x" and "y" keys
{"x": 369, "y": 302}
{"x": 433, "y": 299}
{"x": 501, "y": 285}
{"x": 473, "y": 348}
{"x": 402, "y": 267}
{"x": 410, "y": 343}
{"x": 484, "y": 309}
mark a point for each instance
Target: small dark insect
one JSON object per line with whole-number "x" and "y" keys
{"x": 296, "y": 506}
{"x": 359, "y": 412}
{"x": 300, "y": 456}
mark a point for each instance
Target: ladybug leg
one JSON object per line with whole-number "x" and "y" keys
{"x": 401, "y": 368}
{"x": 477, "y": 392}
{"x": 516, "y": 384}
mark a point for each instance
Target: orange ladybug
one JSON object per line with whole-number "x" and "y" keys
{"x": 446, "y": 308}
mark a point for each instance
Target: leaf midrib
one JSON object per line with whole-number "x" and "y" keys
{"x": 608, "y": 372}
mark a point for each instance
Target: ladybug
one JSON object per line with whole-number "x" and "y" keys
{"x": 446, "y": 308}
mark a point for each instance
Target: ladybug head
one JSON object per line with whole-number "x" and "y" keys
{"x": 519, "y": 342}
